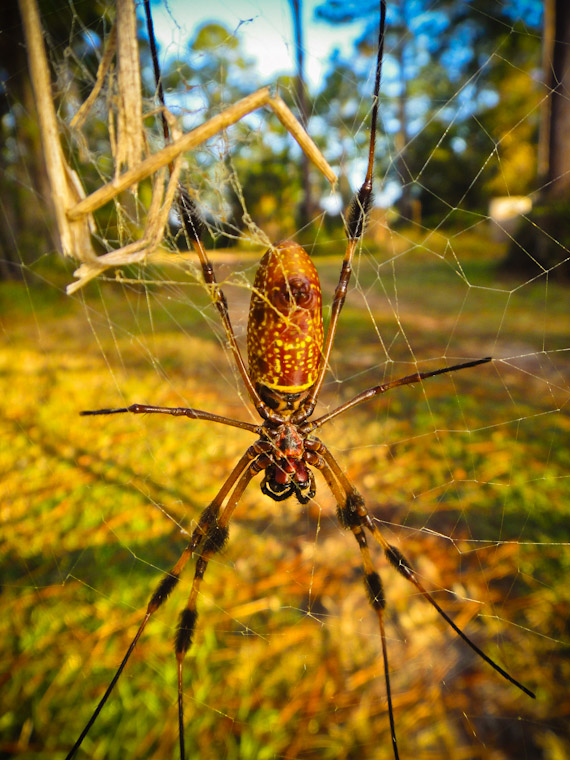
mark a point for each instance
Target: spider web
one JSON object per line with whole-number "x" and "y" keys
{"x": 466, "y": 473}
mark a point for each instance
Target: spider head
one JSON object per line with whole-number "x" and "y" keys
{"x": 289, "y": 478}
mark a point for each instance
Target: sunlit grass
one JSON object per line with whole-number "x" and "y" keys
{"x": 468, "y": 474}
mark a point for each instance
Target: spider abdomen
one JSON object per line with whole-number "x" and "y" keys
{"x": 285, "y": 326}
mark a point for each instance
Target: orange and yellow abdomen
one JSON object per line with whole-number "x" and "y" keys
{"x": 285, "y": 326}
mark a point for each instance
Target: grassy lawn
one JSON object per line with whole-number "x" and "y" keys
{"x": 467, "y": 474}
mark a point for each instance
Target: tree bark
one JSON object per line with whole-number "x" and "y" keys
{"x": 541, "y": 243}
{"x": 558, "y": 175}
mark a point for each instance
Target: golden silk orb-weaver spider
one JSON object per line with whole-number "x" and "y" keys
{"x": 288, "y": 357}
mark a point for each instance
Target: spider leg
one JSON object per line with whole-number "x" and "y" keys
{"x": 397, "y": 560}
{"x": 215, "y": 539}
{"x": 378, "y": 389}
{"x": 355, "y": 224}
{"x": 193, "y": 228}
{"x": 372, "y": 581}
{"x": 204, "y": 533}
{"x": 354, "y": 508}
{"x": 176, "y": 411}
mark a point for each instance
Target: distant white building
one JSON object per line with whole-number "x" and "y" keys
{"x": 505, "y": 212}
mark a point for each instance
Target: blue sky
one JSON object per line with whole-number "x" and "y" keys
{"x": 265, "y": 31}
{"x": 265, "y": 28}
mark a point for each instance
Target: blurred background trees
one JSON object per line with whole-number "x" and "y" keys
{"x": 542, "y": 240}
{"x": 26, "y": 230}
{"x": 466, "y": 89}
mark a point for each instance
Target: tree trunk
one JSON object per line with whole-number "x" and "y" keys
{"x": 558, "y": 174}
{"x": 545, "y": 108}
{"x": 26, "y": 226}
{"x": 542, "y": 241}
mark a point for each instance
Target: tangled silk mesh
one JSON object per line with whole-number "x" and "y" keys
{"x": 466, "y": 473}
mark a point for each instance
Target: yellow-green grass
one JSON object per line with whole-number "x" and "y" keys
{"x": 468, "y": 475}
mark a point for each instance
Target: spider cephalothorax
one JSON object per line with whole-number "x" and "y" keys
{"x": 288, "y": 358}
{"x": 285, "y": 462}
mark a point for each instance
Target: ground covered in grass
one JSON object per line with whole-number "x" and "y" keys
{"x": 467, "y": 474}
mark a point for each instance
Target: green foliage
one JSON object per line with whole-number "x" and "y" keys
{"x": 489, "y": 151}
{"x": 460, "y": 100}
{"x": 215, "y": 66}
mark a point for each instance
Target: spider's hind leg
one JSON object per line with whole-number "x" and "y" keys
{"x": 353, "y": 512}
{"x": 214, "y": 526}
{"x": 353, "y": 515}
